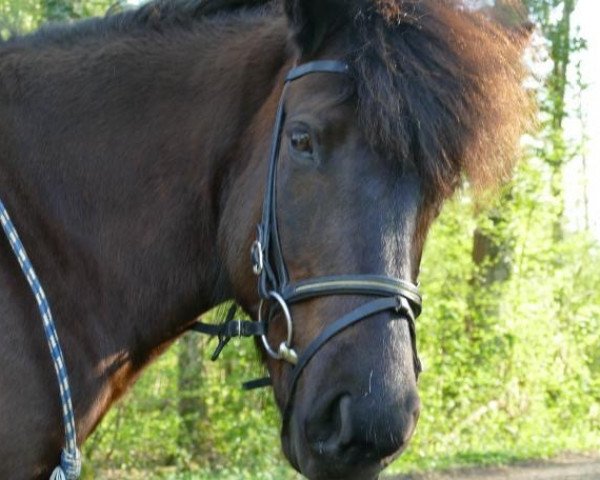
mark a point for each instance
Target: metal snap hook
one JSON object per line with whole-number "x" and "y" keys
{"x": 258, "y": 260}
{"x": 285, "y": 351}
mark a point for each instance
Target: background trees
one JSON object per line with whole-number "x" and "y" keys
{"x": 510, "y": 336}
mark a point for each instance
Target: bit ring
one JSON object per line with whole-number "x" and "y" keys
{"x": 285, "y": 351}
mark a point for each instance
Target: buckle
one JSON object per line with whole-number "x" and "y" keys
{"x": 233, "y": 328}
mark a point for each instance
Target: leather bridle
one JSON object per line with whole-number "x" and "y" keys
{"x": 278, "y": 292}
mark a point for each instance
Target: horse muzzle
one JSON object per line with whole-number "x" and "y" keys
{"x": 349, "y": 437}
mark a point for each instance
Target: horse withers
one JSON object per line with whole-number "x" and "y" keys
{"x": 139, "y": 151}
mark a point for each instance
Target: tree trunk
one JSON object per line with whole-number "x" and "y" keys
{"x": 562, "y": 44}
{"x": 191, "y": 405}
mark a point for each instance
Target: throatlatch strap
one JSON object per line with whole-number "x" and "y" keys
{"x": 229, "y": 329}
{"x": 258, "y": 383}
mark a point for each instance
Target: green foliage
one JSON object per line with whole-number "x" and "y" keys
{"x": 18, "y": 16}
{"x": 527, "y": 381}
{"x": 62, "y": 10}
{"x": 239, "y": 430}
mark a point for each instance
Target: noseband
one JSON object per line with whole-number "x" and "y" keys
{"x": 399, "y": 297}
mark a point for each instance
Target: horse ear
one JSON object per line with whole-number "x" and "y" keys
{"x": 311, "y": 20}
{"x": 512, "y": 16}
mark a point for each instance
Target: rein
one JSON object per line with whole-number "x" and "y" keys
{"x": 275, "y": 289}
{"x": 70, "y": 460}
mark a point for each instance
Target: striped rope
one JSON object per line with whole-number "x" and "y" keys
{"x": 70, "y": 462}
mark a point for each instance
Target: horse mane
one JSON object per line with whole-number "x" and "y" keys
{"x": 441, "y": 86}
{"x": 438, "y": 85}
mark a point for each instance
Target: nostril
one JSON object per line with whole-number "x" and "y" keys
{"x": 331, "y": 425}
{"x": 346, "y": 432}
{"x": 345, "y": 427}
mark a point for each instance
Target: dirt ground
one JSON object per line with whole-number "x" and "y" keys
{"x": 564, "y": 468}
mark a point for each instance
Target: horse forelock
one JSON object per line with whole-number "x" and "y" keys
{"x": 442, "y": 87}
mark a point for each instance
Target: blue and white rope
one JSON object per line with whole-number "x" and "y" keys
{"x": 70, "y": 462}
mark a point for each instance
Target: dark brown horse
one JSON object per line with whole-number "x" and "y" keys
{"x": 133, "y": 159}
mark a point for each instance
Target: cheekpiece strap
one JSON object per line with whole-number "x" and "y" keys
{"x": 267, "y": 256}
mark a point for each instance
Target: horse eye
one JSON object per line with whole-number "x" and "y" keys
{"x": 302, "y": 142}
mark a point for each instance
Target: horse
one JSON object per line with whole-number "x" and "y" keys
{"x": 138, "y": 153}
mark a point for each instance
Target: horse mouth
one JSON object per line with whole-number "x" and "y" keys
{"x": 322, "y": 464}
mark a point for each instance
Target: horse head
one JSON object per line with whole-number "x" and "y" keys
{"x": 382, "y": 107}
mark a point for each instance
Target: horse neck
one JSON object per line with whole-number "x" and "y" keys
{"x": 115, "y": 179}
